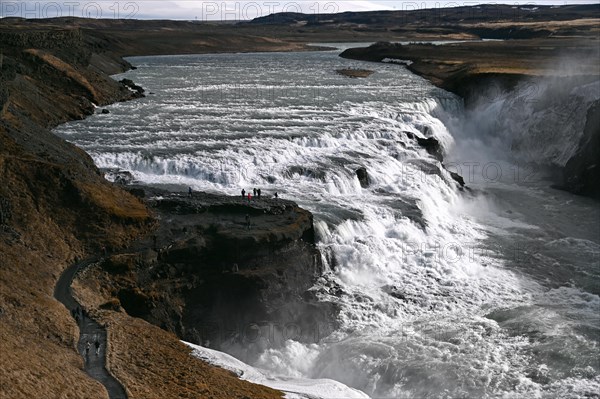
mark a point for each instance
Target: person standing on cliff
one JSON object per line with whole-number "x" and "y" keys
{"x": 254, "y": 192}
{"x": 276, "y": 195}
{"x": 190, "y": 191}
{"x": 249, "y": 197}
{"x": 243, "y": 193}
{"x": 258, "y": 192}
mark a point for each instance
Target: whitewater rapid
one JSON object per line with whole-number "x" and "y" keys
{"x": 426, "y": 296}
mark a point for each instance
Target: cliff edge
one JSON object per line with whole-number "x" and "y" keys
{"x": 56, "y": 208}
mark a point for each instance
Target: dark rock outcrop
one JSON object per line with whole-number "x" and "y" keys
{"x": 122, "y": 177}
{"x": 582, "y": 171}
{"x": 427, "y": 167}
{"x": 432, "y": 146}
{"x": 207, "y": 277}
{"x": 139, "y": 90}
{"x": 308, "y": 172}
{"x": 458, "y": 178}
{"x": 363, "y": 177}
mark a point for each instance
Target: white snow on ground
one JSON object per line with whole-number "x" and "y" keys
{"x": 396, "y": 61}
{"x": 294, "y": 388}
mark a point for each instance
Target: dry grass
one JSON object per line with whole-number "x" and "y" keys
{"x": 37, "y": 334}
{"x": 114, "y": 202}
{"x": 153, "y": 363}
{"x": 37, "y": 337}
{"x": 64, "y": 68}
{"x": 38, "y": 358}
{"x": 593, "y": 23}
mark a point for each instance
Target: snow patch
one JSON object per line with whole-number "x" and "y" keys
{"x": 396, "y": 61}
{"x": 294, "y": 388}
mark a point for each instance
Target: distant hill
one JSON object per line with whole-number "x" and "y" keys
{"x": 438, "y": 16}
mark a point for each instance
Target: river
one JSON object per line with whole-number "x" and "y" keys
{"x": 484, "y": 292}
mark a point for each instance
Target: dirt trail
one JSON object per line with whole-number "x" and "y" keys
{"x": 89, "y": 331}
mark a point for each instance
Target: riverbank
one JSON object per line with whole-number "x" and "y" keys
{"x": 56, "y": 208}
{"x": 468, "y": 68}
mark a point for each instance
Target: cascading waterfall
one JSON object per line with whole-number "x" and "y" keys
{"x": 513, "y": 125}
{"x": 408, "y": 263}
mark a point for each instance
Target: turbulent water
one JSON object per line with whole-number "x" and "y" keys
{"x": 443, "y": 293}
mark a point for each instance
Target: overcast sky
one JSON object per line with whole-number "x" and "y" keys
{"x": 226, "y": 10}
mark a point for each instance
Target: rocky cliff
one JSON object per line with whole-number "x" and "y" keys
{"x": 57, "y": 208}
{"x": 582, "y": 172}
{"x": 218, "y": 269}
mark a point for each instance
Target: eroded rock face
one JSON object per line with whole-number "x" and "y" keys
{"x": 582, "y": 171}
{"x": 209, "y": 278}
{"x": 139, "y": 90}
{"x": 458, "y": 178}
{"x": 55, "y": 206}
{"x": 432, "y": 146}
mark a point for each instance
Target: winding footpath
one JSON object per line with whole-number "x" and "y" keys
{"x": 89, "y": 331}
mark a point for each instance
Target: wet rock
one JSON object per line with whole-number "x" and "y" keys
{"x": 208, "y": 269}
{"x": 124, "y": 178}
{"x": 303, "y": 171}
{"x": 130, "y": 84}
{"x": 408, "y": 208}
{"x": 394, "y": 291}
{"x": 105, "y": 111}
{"x": 582, "y": 172}
{"x": 458, "y": 178}
{"x": 363, "y": 177}
{"x": 426, "y": 167}
{"x": 432, "y": 146}
{"x": 121, "y": 177}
